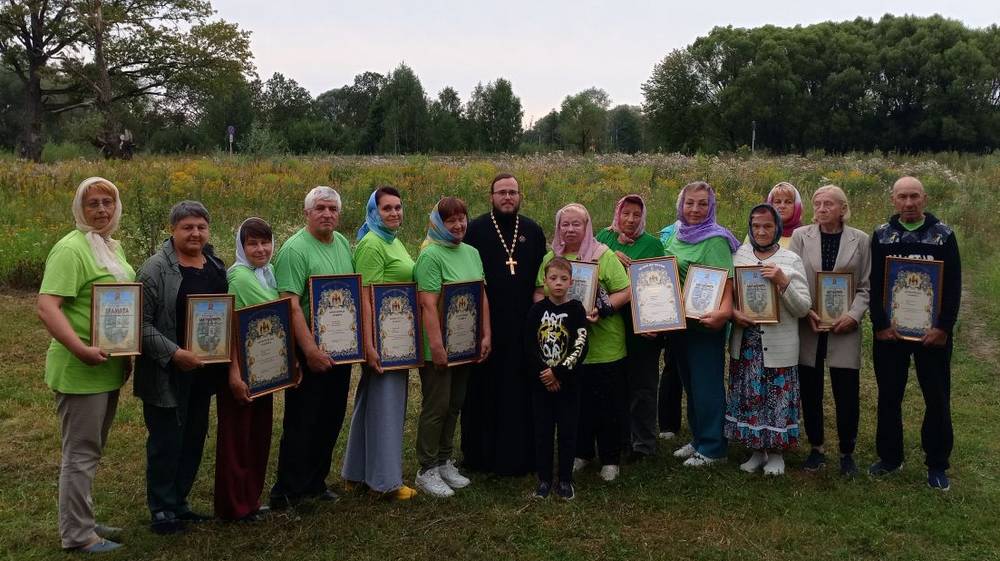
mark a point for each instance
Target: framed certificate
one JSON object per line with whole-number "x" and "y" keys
{"x": 913, "y": 295}
{"x": 116, "y": 318}
{"x": 657, "y": 303}
{"x": 265, "y": 346}
{"x": 461, "y": 306}
{"x": 757, "y": 297}
{"x": 396, "y": 325}
{"x": 834, "y": 296}
{"x": 585, "y": 284}
{"x": 703, "y": 290}
{"x": 209, "y": 326}
{"x": 335, "y": 309}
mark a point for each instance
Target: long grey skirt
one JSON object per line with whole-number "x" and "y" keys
{"x": 375, "y": 445}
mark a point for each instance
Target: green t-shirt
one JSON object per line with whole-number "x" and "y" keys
{"x": 243, "y": 284}
{"x": 438, "y": 264}
{"x": 378, "y": 261}
{"x": 607, "y": 336}
{"x": 712, "y": 252}
{"x": 302, "y": 256}
{"x": 646, "y": 247}
{"x": 70, "y": 270}
{"x": 912, "y": 226}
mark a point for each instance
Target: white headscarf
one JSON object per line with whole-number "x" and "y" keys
{"x": 265, "y": 274}
{"x": 103, "y": 247}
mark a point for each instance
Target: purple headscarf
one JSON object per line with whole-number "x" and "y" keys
{"x": 707, "y": 228}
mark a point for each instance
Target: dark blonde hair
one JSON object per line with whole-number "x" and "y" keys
{"x": 560, "y": 263}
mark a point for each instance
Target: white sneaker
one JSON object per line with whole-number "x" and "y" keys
{"x": 697, "y": 460}
{"x": 579, "y": 463}
{"x": 609, "y": 472}
{"x": 775, "y": 465}
{"x": 667, "y": 435}
{"x": 430, "y": 482}
{"x": 449, "y": 473}
{"x": 685, "y": 451}
{"x": 753, "y": 464}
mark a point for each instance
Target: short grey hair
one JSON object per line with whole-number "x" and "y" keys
{"x": 322, "y": 193}
{"x": 187, "y": 209}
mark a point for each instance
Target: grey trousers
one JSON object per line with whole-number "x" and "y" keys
{"x": 443, "y": 393}
{"x": 85, "y": 421}
{"x": 375, "y": 444}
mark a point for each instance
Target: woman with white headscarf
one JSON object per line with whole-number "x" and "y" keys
{"x": 244, "y": 432}
{"x": 84, "y": 378}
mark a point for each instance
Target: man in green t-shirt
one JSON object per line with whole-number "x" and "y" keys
{"x": 314, "y": 411}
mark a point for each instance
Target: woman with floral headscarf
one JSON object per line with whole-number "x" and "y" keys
{"x": 374, "y": 455}
{"x": 763, "y": 405}
{"x": 628, "y": 238}
{"x": 443, "y": 259}
{"x": 244, "y": 431}
{"x": 84, "y": 379}
{"x": 700, "y": 349}
{"x": 602, "y": 400}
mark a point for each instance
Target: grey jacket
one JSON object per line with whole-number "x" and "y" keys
{"x": 157, "y": 382}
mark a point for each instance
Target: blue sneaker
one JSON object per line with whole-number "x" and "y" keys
{"x": 542, "y": 492}
{"x": 565, "y": 491}
{"x": 936, "y": 479}
{"x": 880, "y": 469}
{"x": 101, "y": 546}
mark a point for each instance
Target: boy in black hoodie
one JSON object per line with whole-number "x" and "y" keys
{"x": 555, "y": 344}
{"x": 914, "y": 234}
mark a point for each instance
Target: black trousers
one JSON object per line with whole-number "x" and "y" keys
{"x": 845, "y": 383}
{"x": 603, "y": 412}
{"x": 671, "y": 394}
{"x": 556, "y": 415}
{"x": 933, "y": 365}
{"x": 642, "y": 369}
{"x": 314, "y": 414}
{"x": 174, "y": 447}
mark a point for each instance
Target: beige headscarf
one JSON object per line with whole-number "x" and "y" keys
{"x": 101, "y": 244}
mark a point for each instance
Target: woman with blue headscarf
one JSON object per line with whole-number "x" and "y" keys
{"x": 443, "y": 259}
{"x": 374, "y": 455}
{"x": 244, "y": 432}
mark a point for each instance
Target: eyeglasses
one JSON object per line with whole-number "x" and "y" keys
{"x": 94, "y": 205}
{"x": 507, "y": 193}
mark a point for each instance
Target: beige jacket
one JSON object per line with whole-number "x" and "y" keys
{"x": 843, "y": 350}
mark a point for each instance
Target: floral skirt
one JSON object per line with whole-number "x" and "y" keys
{"x": 762, "y": 408}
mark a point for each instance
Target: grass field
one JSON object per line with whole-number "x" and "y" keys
{"x": 655, "y": 510}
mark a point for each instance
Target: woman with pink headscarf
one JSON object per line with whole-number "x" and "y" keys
{"x": 628, "y": 238}
{"x": 602, "y": 406}
{"x": 785, "y": 198}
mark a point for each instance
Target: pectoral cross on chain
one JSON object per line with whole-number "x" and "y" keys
{"x": 510, "y": 263}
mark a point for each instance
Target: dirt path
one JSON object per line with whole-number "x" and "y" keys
{"x": 975, "y": 336}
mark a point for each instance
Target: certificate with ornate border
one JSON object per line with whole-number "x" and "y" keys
{"x": 657, "y": 303}
{"x": 913, "y": 295}
{"x": 335, "y": 309}
{"x": 209, "y": 326}
{"x": 116, "y": 317}
{"x": 756, "y": 296}
{"x": 396, "y": 325}
{"x": 265, "y": 346}
{"x": 585, "y": 284}
{"x": 834, "y": 296}
{"x": 461, "y": 306}
{"x": 703, "y": 289}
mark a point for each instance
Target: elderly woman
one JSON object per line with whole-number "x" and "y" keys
{"x": 602, "y": 401}
{"x": 374, "y": 453}
{"x": 175, "y": 386}
{"x": 700, "y": 349}
{"x": 443, "y": 259}
{"x": 244, "y": 432}
{"x": 84, "y": 379}
{"x": 830, "y": 245}
{"x": 785, "y": 198}
{"x": 628, "y": 238}
{"x": 763, "y": 408}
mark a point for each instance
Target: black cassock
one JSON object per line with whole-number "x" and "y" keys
{"x": 497, "y": 434}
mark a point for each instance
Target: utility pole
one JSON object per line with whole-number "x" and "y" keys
{"x": 753, "y": 137}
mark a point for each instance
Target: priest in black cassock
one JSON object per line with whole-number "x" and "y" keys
{"x": 496, "y": 420}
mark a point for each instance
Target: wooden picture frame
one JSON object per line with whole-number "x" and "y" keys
{"x": 396, "y": 325}
{"x": 834, "y": 297}
{"x": 210, "y": 326}
{"x": 704, "y": 288}
{"x": 586, "y": 282}
{"x": 335, "y": 316}
{"x": 461, "y": 312}
{"x": 756, "y": 296}
{"x": 912, "y": 295}
{"x": 266, "y": 346}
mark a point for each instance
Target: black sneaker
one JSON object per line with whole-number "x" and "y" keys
{"x": 542, "y": 491}
{"x": 937, "y": 479}
{"x": 565, "y": 491}
{"x": 880, "y": 469}
{"x": 815, "y": 461}
{"x": 191, "y": 516}
{"x": 847, "y": 466}
{"x": 164, "y": 523}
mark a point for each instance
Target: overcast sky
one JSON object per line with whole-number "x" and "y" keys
{"x": 547, "y": 49}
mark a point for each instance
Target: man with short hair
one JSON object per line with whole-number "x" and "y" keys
{"x": 496, "y": 420}
{"x": 314, "y": 411}
{"x": 914, "y": 234}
